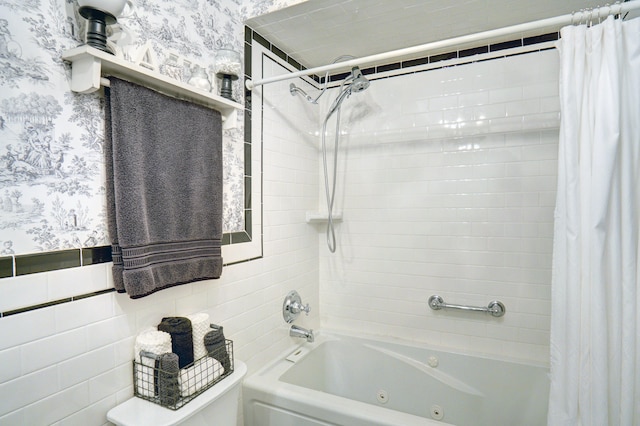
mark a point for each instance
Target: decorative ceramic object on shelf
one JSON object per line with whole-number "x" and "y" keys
{"x": 200, "y": 79}
{"x": 172, "y": 66}
{"x": 101, "y": 13}
{"x": 122, "y": 42}
{"x": 227, "y": 67}
{"x": 146, "y": 57}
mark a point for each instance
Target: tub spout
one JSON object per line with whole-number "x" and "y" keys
{"x": 303, "y": 333}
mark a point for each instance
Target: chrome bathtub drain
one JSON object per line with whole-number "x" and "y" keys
{"x": 382, "y": 396}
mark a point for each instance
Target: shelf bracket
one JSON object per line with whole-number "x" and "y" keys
{"x": 85, "y": 74}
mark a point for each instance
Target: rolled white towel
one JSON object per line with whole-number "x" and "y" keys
{"x": 199, "y": 375}
{"x": 199, "y": 327}
{"x": 155, "y": 342}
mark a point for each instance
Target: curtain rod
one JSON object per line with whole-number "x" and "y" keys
{"x": 557, "y": 21}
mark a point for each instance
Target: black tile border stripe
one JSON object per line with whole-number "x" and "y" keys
{"x": 55, "y": 302}
{"x": 9, "y": 265}
{"x": 505, "y": 45}
{"x": 389, "y": 67}
{"x": 542, "y": 38}
{"x": 413, "y": 62}
{"x": 102, "y": 258}
{"x": 6, "y": 266}
{"x": 43, "y": 262}
{"x": 474, "y": 51}
{"x": 32, "y": 263}
{"x": 464, "y": 53}
{"x": 95, "y": 255}
{"x": 443, "y": 57}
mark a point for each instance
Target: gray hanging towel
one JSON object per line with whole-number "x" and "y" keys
{"x": 164, "y": 189}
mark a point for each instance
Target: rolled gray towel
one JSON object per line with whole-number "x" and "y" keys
{"x": 181, "y": 338}
{"x": 215, "y": 343}
{"x": 168, "y": 386}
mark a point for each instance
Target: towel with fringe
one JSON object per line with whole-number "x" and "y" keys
{"x": 168, "y": 383}
{"x": 163, "y": 160}
{"x": 216, "y": 346}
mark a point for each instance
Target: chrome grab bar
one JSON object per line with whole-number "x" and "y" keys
{"x": 495, "y": 308}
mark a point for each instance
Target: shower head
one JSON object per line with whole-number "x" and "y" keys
{"x": 359, "y": 82}
{"x": 293, "y": 89}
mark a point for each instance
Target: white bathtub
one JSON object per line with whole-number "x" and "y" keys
{"x": 342, "y": 380}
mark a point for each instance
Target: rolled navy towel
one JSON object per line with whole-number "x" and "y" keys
{"x": 168, "y": 384}
{"x": 181, "y": 338}
{"x": 215, "y": 343}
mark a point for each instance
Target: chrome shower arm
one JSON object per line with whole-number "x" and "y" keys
{"x": 293, "y": 89}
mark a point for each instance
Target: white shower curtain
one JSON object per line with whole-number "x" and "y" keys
{"x": 595, "y": 315}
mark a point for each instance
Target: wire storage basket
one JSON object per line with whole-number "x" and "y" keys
{"x": 158, "y": 379}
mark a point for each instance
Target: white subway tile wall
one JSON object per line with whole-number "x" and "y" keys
{"x": 444, "y": 190}
{"x": 70, "y": 363}
{"x": 455, "y": 197}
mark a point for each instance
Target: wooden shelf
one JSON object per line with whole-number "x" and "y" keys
{"x": 89, "y": 65}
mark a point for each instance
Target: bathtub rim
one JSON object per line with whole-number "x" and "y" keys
{"x": 325, "y": 334}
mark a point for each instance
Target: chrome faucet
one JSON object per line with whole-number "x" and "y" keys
{"x": 303, "y": 333}
{"x": 292, "y": 307}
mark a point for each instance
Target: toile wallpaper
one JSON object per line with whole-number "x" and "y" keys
{"x": 51, "y": 139}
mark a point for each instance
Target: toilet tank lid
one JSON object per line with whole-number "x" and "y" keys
{"x": 139, "y": 412}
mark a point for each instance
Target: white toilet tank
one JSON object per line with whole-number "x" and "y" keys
{"x": 217, "y": 406}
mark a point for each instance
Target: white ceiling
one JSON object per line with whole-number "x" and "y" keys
{"x": 315, "y": 32}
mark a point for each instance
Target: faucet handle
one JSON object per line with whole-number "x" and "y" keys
{"x": 292, "y": 307}
{"x": 299, "y": 307}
